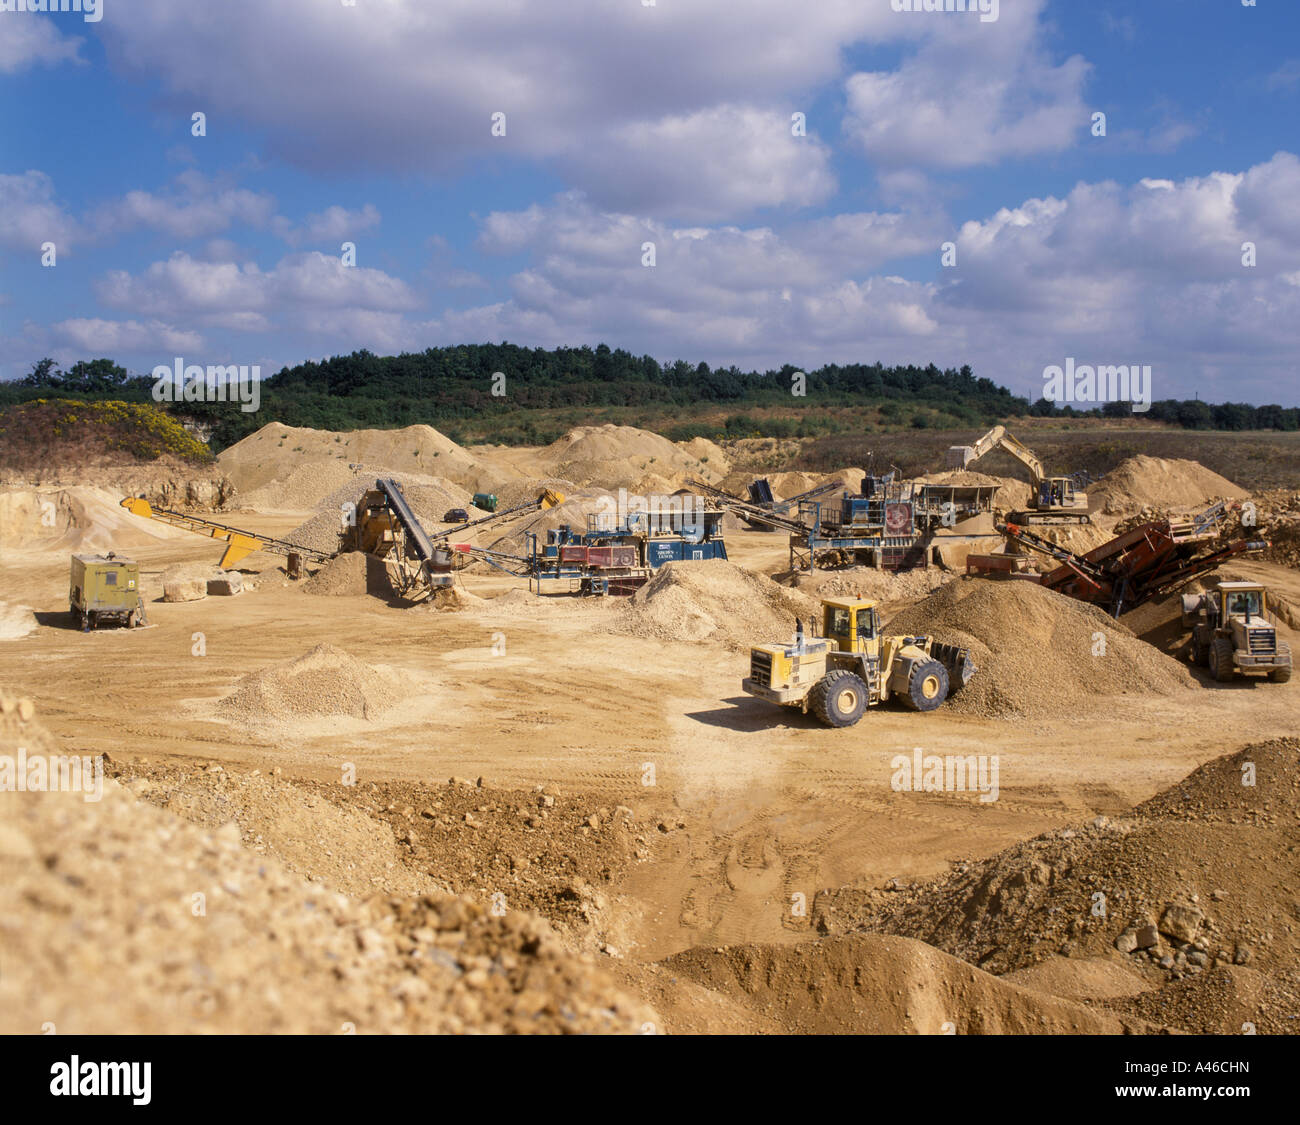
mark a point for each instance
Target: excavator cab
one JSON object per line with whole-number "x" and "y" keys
{"x": 1056, "y": 492}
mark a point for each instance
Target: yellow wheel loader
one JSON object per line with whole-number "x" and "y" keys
{"x": 851, "y": 667}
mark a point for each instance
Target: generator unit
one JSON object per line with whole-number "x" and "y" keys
{"x": 105, "y": 589}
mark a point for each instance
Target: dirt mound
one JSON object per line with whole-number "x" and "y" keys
{"x": 874, "y": 985}
{"x": 1194, "y": 880}
{"x": 1039, "y": 654}
{"x": 120, "y": 918}
{"x": 1080, "y": 978}
{"x": 349, "y": 575}
{"x": 713, "y": 600}
{"x": 323, "y": 682}
{"x": 78, "y": 519}
{"x": 1158, "y": 482}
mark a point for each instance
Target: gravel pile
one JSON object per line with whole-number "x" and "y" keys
{"x": 714, "y": 600}
{"x": 350, "y": 575}
{"x": 1039, "y": 653}
{"x": 323, "y": 682}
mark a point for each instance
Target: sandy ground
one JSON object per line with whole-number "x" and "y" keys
{"x": 770, "y": 805}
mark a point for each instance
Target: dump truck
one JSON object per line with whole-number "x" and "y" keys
{"x": 105, "y": 589}
{"x": 853, "y": 666}
{"x": 1054, "y": 500}
{"x": 1232, "y": 634}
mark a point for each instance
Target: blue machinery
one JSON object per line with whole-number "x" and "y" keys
{"x": 607, "y": 558}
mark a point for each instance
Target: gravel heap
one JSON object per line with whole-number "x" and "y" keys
{"x": 1038, "y": 653}
{"x": 323, "y": 682}
{"x": 714, "y": 600}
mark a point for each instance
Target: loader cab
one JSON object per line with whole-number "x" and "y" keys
{"x": 1245, "y": 600}
{"x": 852, "y": 625}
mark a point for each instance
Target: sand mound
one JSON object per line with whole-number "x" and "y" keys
{"x": 102, "y": 935}
{"x": 323, "y": 682}
{"x": 1083, "y": 978}
{"x": 874, "y": 985}
{"x": 16, "y": 621}
{"x": 713, "y": 600}
{"x": 1157, "y": 482}
{"x": 1039, "y": 654}
{"x": 274, "y": 452}
{"x": 620, "y": 456}
{"x": 78, "y": 519}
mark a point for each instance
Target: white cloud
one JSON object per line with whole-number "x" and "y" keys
{"x": 973, "y": 93}
{"x": 35, "y": 41}
{"x": 105, "y": 337}
{"x": 634, "y": 99}
{"x": 302, "y": 290}
{"x": 30, "y": 215}
{"x": 330, "y": 225}
{"x": 194, "y": 207}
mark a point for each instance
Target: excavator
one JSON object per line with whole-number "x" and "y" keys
{"x": 1055, "y": 500}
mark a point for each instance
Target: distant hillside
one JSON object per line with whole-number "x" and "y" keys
{"x": 510, "y": 395}
{"x": 45, "y": 434}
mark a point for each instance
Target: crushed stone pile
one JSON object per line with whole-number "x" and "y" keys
{"x": 351, "y": 574}
{"x": 101, "y": 935}
{"x": 1038, "y": 654}
{"x": 1196, "y": 884}
{"x": 323, "y": 682}
{"x": 713, "y": 600}
{"x": 1157, "y": 482}
{"x": 1278, "y": 514}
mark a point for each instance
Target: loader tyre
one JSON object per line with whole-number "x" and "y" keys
{"x": 839, "y": 698}
{"x": 927, "y": 687}
{"x": 1282, "y": 674}
{"x": 1221, "y": 667}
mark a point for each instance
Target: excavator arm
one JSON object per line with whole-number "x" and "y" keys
{"x": 999, "y": 438}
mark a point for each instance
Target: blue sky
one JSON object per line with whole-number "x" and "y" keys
{"x": 629, "y": 123}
